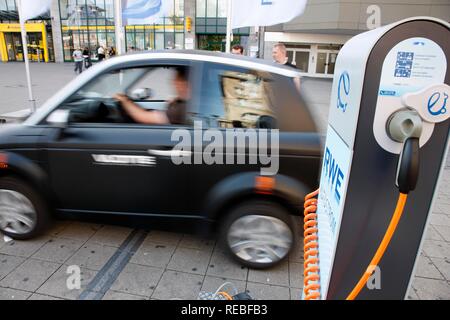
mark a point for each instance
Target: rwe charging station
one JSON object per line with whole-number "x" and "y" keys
{"x": 386, "y": 146}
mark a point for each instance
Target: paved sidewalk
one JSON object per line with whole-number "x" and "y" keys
{"x": 163, "y": 265}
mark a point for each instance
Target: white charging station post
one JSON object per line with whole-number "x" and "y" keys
{"x": 396, "y": 67}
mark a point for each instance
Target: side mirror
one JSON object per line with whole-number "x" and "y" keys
{"x": 59, "y": 118}
{"x": 142, "y": 94}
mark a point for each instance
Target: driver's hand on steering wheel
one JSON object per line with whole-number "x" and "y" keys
{"x": 121, "y": 97}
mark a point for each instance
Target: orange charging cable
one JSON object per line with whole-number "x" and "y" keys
{"x": 383, "y": 246}
{"x": 311, "y": 246}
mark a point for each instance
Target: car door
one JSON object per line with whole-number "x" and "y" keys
{"x": 117, "y": 168}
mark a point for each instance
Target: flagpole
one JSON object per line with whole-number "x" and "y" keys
{"x": 25, "y": 55}
{"x": 229, "y": 29}
{"x": 119, "y": 26}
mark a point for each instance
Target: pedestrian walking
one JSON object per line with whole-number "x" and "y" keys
{"x": 112, "y": 52}
{"x": 87, "y": 58}
{"x": 101, "y": 53}
{"x": 78, "y": 58}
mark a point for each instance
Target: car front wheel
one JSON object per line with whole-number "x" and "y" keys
{"x": 23, "y": 213}
{"x": 259, "y": 234}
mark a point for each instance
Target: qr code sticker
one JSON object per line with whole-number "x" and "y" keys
{"x": 404, "y": 64}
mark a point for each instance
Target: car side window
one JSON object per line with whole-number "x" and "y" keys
{"x": 236, "y": 98}
{"x": 149, "y": 88}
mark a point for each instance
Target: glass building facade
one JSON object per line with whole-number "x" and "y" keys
{"x": 211, "y": 25}
{"x": 90, "y": 24}
{"x": 39, "y": 35}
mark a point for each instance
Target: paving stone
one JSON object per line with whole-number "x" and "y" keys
{"x": 30, "y": 275}
{"x": 439, "y": 219}
{"x": 37, "y": 296}
{"x": 296, "y": 294}
{"x": 112, "y": 236}
{"x": 432, "y": 234}
{"x": 277, "y": 275}
{"x": 13, "y": 294}
{"x": 260, "y": 291}
{"x": 296, "y": 275}
{"x": 190, "y": 260}
{"x": 444, "y": 231}
{"x": 297, "y": 254}
{"x": 57, "y": 227}
{"x": 178, "y": 286}
{"x": 79, "y": 231}
{"x": 161, "y": 237}
{"x": 412, "y": 295}
{"x": 221, "y": 265}
{"x": 8, "y": 264}
{"x": 138, "y": 280}
{"x": 431, "y": 289}
{"x": 58, "y": 250}
{"x": 196, "y": 242}
{"x": 114, "y": 295}
{"x": 57, "y": 284}
{"x": 153, "y": 254}
{"x": 436, "y": 249}
{"x": 443, "y": 265}
{"x": 426, "y": 269}
{"x": 92, "y": 256}
{"x": 25, "y": 248}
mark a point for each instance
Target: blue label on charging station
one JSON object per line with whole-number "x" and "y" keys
{"x": 333, "y": 185}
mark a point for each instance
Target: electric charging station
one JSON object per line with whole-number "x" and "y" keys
{"x": 387, "y": 139}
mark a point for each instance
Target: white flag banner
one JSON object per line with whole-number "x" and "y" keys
{"x": 34, "y": 8}
{"x": 252, "y": 13}
{"x": 145, "y": 11}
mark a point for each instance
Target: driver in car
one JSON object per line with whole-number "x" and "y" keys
{"x": 176, "y": 110}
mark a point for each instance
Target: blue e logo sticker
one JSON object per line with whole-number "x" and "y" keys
{"x": 434, "y": 99}
{"x": 343, "y": 90}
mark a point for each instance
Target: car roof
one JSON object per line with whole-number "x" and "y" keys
{"x": 209, "y": 56}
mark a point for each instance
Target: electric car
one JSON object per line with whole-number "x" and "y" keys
{"x": 82, "y": 153}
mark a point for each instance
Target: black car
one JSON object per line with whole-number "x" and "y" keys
{"x": 84, "y": 154}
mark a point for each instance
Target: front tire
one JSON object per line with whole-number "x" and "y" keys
{"x": 259, "y": 234}
{"x": 23, "y": 212}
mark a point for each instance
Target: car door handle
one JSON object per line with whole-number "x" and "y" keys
{"x": 170, "y": 153}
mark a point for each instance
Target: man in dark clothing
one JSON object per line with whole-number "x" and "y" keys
{"x": 87, "y": 58}
{"x": 279, "y": 54}
{"x": 176, "y": 110}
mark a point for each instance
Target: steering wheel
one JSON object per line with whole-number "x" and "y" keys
{"x": 122, "y": 116}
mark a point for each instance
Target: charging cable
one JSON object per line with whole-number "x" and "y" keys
{"x": 405, "y": 127}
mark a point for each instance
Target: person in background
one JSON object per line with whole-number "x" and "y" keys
{"x": 87, "y": 58}
{"x": 237, "y": 49}
{"x": 101, "y": 53}
{"x": 279, "y": 55}
{"x": 112, "y": 52}
{"x": 78, "y": 58}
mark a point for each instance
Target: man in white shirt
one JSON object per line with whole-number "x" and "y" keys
{"x": 101, "y": 53}
{"x": 78, "y": 58}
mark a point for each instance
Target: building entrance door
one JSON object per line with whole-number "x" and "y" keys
{"x": 14, "y": 46}
{"x": 326, "y": 61}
